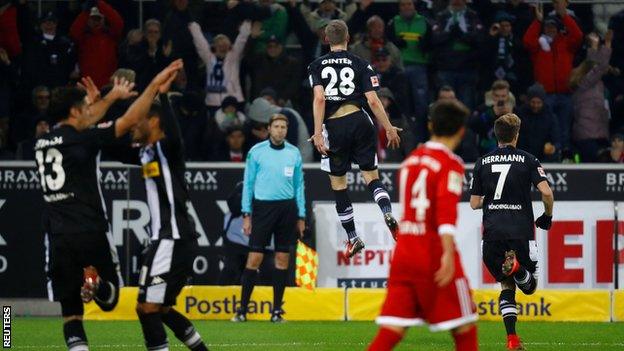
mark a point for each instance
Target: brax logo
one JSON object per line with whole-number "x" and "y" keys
{"x": 114, "y": 179}
{"x": 356, "y": 182}
{"x": 558, "y": 181}
{"x": 19, "y": 179}
{"x": 615, "y": 182}
{"x": 202, "y": 180}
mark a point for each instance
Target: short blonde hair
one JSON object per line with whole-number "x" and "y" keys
{"x": 336, "y": 32}
{"x": 278, "y": 117}
{"x": 506, "y": 127}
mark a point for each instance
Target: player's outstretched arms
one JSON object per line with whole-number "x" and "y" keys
{"x": 545, "y": 220}
{"x": 318, "y": 110}
{"x": 476, "y": 202}
{"x": 141, "y": 106}
{"x": 98, "y": 106}
{"x": 392, "y": 132}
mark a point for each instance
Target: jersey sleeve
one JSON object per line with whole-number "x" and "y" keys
{"x": 537, "y": 172}
{"x": 314, "y": 75}
{"x": 101, "y": 135}
{"x": 169, "y": 122}
{"x": 448, "y": 194}
{"x": 368, "y": 78}
{"x": 476, "y": 188}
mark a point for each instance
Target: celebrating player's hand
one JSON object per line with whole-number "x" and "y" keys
{"x": 445, "y": 274}
{"x": 301, "y": 227}
{"x": 164, "y": 88}
{"x": 247, "y": 225}
{"x": 319, "y": 143}
{"x": 544, "y": 222}
{"x": 393, "y": 137}
{"x": 93, "y": 93}
{"x": 122, "y": 89}
{"x": 164, "y": 76}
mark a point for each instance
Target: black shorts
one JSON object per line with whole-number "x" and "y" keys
{"x": 494, "y": 255}
{"x": 68, "y": 254}
{"x": 278, "y": 218}
{"x": 167, "y": 266}
{"x": 352, "y": 138}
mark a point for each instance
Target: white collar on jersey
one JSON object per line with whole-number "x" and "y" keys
{"x": 437, "y": 146}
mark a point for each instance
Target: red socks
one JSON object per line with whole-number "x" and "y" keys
{"x": 466, "y": 341}
{"x": 385, "y": 340}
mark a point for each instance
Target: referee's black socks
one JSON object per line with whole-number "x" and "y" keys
{"x": 279, "y": 285}
{"x": 75, "y": 336}
{"x": 344, "y": 208}
{"x": 248, "y": 281}
{"x": 381, "y": 196}
{"x": 154, "y": 331}
{"x": 106, "y": 296}
{"x": 183, "y": 330}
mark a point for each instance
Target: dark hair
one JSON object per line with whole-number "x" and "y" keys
{"x": 448, "y": 117}
{"x": 336, "y": 32}
{"x": 63, "y": 100}
{"x": 235, "y": 128}
{"x": 506, "y": 127}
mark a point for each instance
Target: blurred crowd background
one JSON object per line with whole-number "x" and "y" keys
{"x": 557, "y": 65}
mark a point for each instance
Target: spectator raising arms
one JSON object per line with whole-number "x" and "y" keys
{"x": 552, "y": 44}
{"x": 97, "y": 32}
{"x": 590, "y": 131}
{"x": 222, "y": 64}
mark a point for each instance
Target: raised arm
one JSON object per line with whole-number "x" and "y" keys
{"x": 241, "y": 39}
{"x": 79, "y": 27}
{"x": 201, "y": 44}
{"x": 141, "y": 106}
{"x": 115, "y": 22}
{"x": 122, "y": 89}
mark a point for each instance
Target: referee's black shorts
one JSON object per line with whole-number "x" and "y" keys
{"x": 494, "y": 255}
{"x": 68, "y": 254}
{"x": 352, "y": 138}
{"x": 277, "y": 217}
{"x": 167, "y": 266}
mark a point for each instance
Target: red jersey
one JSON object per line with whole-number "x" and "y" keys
{"x": 430, "y": 186}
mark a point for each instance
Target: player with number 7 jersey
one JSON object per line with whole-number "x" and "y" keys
{"x": 427, "y": 282}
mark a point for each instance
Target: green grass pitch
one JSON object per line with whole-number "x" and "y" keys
{"x": 46, "y": 334}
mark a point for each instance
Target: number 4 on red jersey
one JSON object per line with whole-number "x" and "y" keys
{"x": 431, "y": 180}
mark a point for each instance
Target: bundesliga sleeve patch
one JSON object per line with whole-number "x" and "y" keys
{"x": 374, "y": 81}
{"x": 104, "y": 125}
{"x": 455, "y": 182}
{"x": 541, "y": 172}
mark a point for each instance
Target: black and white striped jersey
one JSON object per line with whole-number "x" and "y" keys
{"x": 68, "y": 166}
{"x": 163, "y": 170}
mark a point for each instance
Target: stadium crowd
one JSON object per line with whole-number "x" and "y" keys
{"x": 245, "y": 61}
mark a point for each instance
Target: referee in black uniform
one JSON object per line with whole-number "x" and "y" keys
{"x": 82, "y": 263}
{"x": 501, "y": 185}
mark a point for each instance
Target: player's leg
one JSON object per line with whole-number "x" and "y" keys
{"x": 494, "y": 258}
{"x": 465, "y": 337}
{"x": 100, "y": 278}
{"x": 183, "y": 329}
{"x": 365, "y": 155}
{"x": 344, "y": 208}
{"x": 152, "y": 325}
{"x": 387, "y": 338}
{"x": 382, "y": 198}
{"x": 181, "y": 269}
{"x": 521, "y": 264}
{"x": 280, "y": 277}
{"x": 509, "y": 311}
{"x": 64, "y": 272}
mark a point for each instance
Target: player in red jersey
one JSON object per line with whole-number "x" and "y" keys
{"x": 427, "y": 282}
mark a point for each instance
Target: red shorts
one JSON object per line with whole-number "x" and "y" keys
{"x": 416, "y": 300}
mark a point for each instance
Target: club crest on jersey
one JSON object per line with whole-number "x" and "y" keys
{"x": 375, "y": 81}
{"x": 151, "y": 170}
